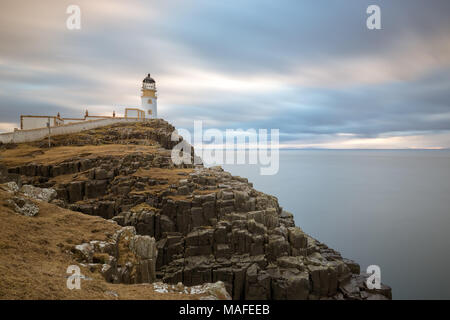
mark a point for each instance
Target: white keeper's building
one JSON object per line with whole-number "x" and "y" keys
{"x": 148, "y": 110}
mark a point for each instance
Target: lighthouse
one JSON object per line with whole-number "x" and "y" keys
{"x": 148, "y": 97}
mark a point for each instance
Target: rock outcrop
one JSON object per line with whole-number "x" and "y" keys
{"x": 42, "y": 194}
{"x": 22, "y": 202}
{"x": 23, "y": 206}
{"x": 188, "y": 224}
{"x": 129, "y": 258}
{"x": 210, "y": 291}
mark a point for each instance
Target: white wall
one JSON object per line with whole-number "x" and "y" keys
{"x": 67, "y": 121}
{"x": 20, "y": 136}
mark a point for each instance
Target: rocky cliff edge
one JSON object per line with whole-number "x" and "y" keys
{"x": 175, "y": 226}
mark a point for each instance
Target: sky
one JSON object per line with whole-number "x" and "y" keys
{"x": 311, "y": 69}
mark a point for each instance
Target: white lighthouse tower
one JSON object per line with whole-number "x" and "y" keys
{"x": 149, "y": 97}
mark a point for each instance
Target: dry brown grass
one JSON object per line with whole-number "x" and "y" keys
{"x": 196, "y": 192}
{"x": 66, "y": 178}
{"x": 26, "y": 153}
{"x": 35, "y": 251}
{"x": 207, "y": 191}
{"x": 35, "y": 254}
{"x": 143, "y": 206}
{"x": 122, "y": 133}
{"x": 172, "y": 176}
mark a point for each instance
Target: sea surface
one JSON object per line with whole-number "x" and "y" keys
{"x": 377, "y": 207}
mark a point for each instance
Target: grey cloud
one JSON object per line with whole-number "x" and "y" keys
{"x": 45, "y": 67}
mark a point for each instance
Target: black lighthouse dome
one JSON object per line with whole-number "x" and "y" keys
{"x": 148, "y": 79}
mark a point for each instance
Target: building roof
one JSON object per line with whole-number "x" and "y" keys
{"x": 148, "y": 79}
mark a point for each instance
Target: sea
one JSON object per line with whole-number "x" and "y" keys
{"x": 389, "y": 208}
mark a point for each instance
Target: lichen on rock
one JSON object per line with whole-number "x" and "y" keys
{"x": 23, "y": 206}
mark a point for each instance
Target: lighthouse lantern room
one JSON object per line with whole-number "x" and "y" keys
{"x": 149, "y": 97}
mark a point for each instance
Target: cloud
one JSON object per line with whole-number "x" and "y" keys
{"x": 311, "y": 69}
{"x": 424, "y": 140}
{"x": 7, "y": 126}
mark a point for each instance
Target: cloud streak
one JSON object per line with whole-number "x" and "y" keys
{"x": 310, "y": 69}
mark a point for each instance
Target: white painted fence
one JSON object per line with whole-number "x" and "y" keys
{"x": 20, "y": 136}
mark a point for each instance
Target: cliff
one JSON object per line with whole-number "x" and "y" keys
{"x": 169, "y": 223}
